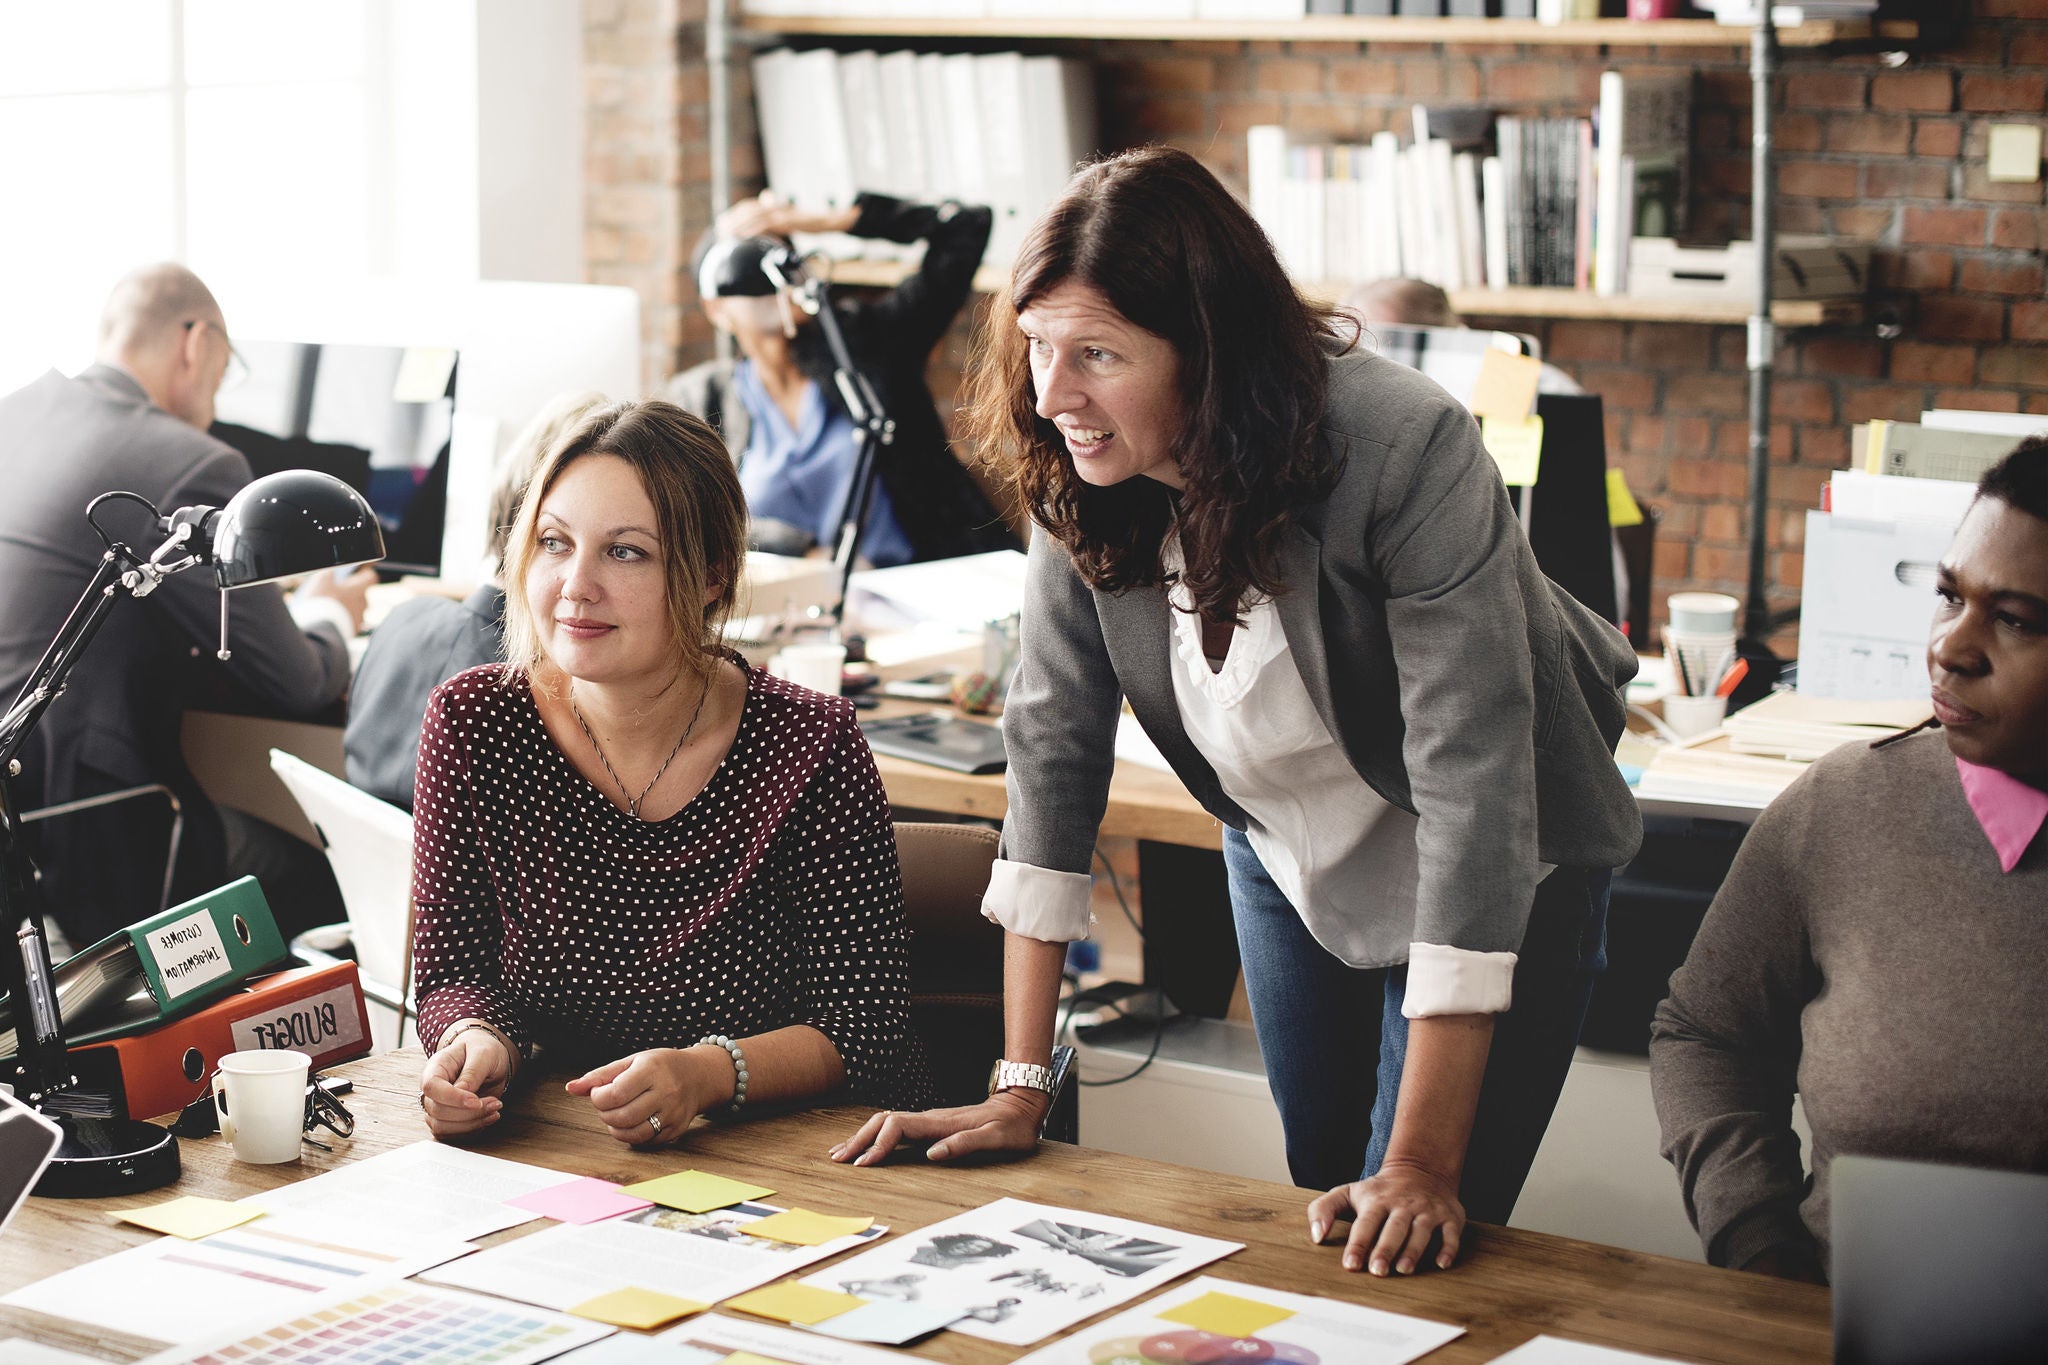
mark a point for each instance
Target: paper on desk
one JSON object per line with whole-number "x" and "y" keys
{"x": 1549, "y": 1350}
{"x": 802, "y": 1227}
{"x": 1027, "y": 1270}
{"x": 429, "y": 1187}
{"x": 1307, "y": 1328}
{"x": 965, "y": 593}
{"x": 178, "y": 1291}
{"x": 714, "y": 1338}
{"x": 697, "y": 1191}
{"x": 789, "y": 1301}
{"x": 890, "y": 1324}
{"x": 583, "y": 1200}
{"x": 15, "y": 1351}
{"x": 637, "y": 1307}
{"x": 191, "y": 1217}
{"x": 702, "y": 1256}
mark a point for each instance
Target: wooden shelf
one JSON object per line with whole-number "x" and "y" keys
{"x": 1583, "y": 303}
{"x": 1330, "y": 28}
{"x": 1488, "y": 303}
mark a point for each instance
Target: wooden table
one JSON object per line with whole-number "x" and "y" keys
{"x": 1510, "y": 1286}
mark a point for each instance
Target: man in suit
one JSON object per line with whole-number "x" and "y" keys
{"x": 136, "y": 420}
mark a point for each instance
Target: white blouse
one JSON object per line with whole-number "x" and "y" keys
{"x": 1342, "y": 855}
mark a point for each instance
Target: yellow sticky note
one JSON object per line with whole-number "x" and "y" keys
{"x": 191, "y": 1217}
{"x": 2014, "y": 153}
{"x": 1506, "y": 386}
{"x": 1517, "y": 447}
{"x": 749, "y": 1358}
{"x": 637, "y": 1307}
{"x": 801, "y": 1227}
{"x": 1621, "y": 504}
{"x": 1227, "y": 1315}
{"x": 801, "y": 1304}
{"x": 697, "y": 1191}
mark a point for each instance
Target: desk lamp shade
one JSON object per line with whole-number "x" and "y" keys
{"x": 293, "y": 522}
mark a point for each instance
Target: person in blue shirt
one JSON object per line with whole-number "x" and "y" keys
{"x": 780, "y": 414}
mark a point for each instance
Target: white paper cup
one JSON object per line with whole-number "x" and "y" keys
{"x": 1706, "y": 658}
{"x": 260, "y": 1099}
{"x": 1702, "y": 613}
{"x": 816, "y": 666}
{"x": 1689, "y": 716}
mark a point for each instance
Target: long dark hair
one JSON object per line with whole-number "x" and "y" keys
{"x": 1168, "y": 246}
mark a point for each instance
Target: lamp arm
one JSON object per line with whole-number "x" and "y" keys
{"x": 875, "y": 429}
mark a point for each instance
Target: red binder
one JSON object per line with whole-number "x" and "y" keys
{"x": 315, "y": 1010}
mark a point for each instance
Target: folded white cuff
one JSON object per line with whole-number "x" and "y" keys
{"x": 1037, "y": 902}
{"x": 1444, "y": 980}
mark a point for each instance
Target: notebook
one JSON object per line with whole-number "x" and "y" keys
{"x": 27, "y": 1142}
{"x": 966, "y": 746}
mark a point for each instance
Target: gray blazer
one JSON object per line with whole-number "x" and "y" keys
{"x": 1462, "y": 684}
{"x": 63, "y": 441}
{"x": 421, "y": 644}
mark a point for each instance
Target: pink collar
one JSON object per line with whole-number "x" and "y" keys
{"x": 2011, "y": 811}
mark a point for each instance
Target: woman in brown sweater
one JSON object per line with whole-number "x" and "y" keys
{"x": 1881, "y": 944}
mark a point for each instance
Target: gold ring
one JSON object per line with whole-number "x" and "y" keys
{"x": 423, "y": 1101}
{"x": 654, "y": 1122}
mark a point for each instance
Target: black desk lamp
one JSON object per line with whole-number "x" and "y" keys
{"x": 287, "y": 523}
{"x": 870, "y": 419}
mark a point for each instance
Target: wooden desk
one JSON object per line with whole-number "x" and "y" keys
{"x": 1144, "y": 803}
{"x": 1510, "y": 1286}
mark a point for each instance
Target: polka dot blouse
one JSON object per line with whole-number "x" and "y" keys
{"x": 771, "y": 899}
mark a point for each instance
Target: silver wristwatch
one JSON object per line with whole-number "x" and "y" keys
{"x": 1019, "y": 1075}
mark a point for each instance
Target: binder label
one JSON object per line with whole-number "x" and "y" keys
{"x": 327, "y": 1022}
{"x": 188, "y": 953}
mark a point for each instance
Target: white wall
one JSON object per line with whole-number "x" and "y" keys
{"x": 529, "y": 107}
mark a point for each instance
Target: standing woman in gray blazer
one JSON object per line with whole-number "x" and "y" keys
{"x": 1297, "y": 563}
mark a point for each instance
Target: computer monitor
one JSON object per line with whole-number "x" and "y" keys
{"x": 1449, "y": 355}
{"x": 380, "y": 418}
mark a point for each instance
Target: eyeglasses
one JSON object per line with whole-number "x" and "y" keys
{"x": 237, "y": 368}
{"x": 324, "y": 1110}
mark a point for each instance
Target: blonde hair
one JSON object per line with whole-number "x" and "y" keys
{"x": 700, "y": 519}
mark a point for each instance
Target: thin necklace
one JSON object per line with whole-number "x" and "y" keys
{"x": 633, "y": 802}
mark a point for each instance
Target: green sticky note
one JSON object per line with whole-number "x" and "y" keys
{"x": 1621, "y": 504}
{"x": 697, "y": 1191}
{"x": 801, "y": 1227}
{"x": 637, "y": 1307}
{"x": 1227, "y": 1315}
{"x": 1516, "y": 446}
{"x": 789, "y": 1301}
{"x": 191, "y": 1217}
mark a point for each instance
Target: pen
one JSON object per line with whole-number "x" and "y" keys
{"x": 1732, "y": 678}
{"x": 1677, "y": 657}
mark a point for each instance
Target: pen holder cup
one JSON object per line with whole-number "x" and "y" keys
{"x": 260, "y": 1099}
{"x": 1689, "y": 716}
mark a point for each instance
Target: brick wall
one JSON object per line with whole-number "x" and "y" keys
{"x": 1896, "y": 154}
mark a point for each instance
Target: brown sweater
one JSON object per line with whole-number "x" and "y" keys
{"x": 1867, "y": 950}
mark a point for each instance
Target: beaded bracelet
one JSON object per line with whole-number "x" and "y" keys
{"x": 739, "y": 1068}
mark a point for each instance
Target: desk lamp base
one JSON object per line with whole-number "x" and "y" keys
{"x": 101, "y": 1157}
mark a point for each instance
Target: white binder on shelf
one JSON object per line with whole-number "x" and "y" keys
{"x": 814, "y": 119}
{"x": 999, "y": 90}
{"x": 961, "y": 109}
{"x": 940, "y": 180}
{"x": 1059, "y": 127}
{"x": 903, "y": 127}
{"x": 867, "y": 135}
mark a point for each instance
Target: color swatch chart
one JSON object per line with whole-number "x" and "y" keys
{"x": 407, "y": 1322}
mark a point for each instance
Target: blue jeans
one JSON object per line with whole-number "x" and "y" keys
{"x": 1334, "y": 1038}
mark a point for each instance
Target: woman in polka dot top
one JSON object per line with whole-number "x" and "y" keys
{"x": 632, "y": 847}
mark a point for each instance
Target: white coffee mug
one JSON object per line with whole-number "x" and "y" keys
{"x": 815, "y": 666}
{"x": 1689, "y": 716}
{"x": 260, "y": 1099}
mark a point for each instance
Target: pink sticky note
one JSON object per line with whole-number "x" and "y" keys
{"x": 580, "y": 1201}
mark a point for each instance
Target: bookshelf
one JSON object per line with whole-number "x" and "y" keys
{"x": 1581, "y": 304}
{"x": 1695, "y": 33}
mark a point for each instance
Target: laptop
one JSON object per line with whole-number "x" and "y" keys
{"x": 1937, "y": 1263}
{"x": 27, "y": 1142}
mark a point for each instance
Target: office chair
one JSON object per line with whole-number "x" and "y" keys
{"x": 369, "y": 843}
{"x": 956, "y": 968}
{"x": 125, "y": 794}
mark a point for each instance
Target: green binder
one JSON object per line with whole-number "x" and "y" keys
{"x": 165, "y": 966}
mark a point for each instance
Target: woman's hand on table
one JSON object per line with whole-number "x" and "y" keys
{"x": 462, "y": 1088}
{"x": 652, "y": 1097}
{"x": 1007, "y": 1121}
{"x": 1393, "y": 1216}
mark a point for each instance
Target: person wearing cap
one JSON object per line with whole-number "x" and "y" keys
{"x": 779, "y": 412}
